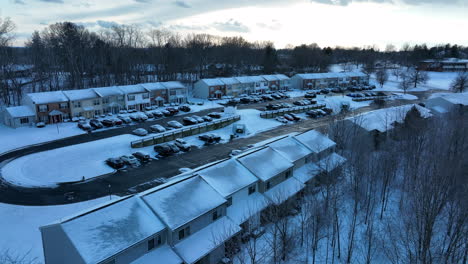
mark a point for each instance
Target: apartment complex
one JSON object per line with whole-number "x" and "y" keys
{"x": 235, "y": 86}
{"x": 328, "y": 80}
{"x": 445, "y": 65}
{"x": 57, "y": 106}
{"x": 192, "y": 218}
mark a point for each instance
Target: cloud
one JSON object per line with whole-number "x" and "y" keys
{"x": 106, "y": 24}
{"x": 142, "y": 1}
{"x": 274, "y": 25}
{"x": 231, "y": 25}
{"x": 181, "y": 3}
{"x": 188, "y": 27}
{"x": 347, "y": 2}
{"x": 53, "y": 1}
{"x": 20, "y": 2}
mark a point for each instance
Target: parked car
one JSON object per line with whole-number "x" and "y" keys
{"x": 157, "y": 114}
{"x": 325, "y": 91}
{"x": 107, "y": 122}
{"x": 130, "y": 160}
{"x": 140, "y": 132}
{"x": 184, "y": 108}
{"x": 310, "y": 95}
{"x": 182, "y": 145}
{"x": 207, "y": 118}
{"x": 172, "y": 110}
{"x": 115, "y": 163}
{"x": 117, "y": 121}
{"x": 142, "y": 156}
{"x": 174, "y": 124}
{"x": 96, "y": 123}
{"x": 199, "y": 119}
{"x": 166, "y": 113}
{"x": 84, "y": 125}
{"x": 295, "y": 116}
{"x": 210, "y": 138}
{"x": 267, "y": 97}
{"x": 188, "y": 121}
{"x": 149, "y": 114}
{"x": 125, "y": 119}
{"x": 276, "y": 96}
{"x": 273, "y": 106}
{"x": 312, "y": 113}
{"x": 327, "y": 110}
{"x": 281, "y": 119}
{"x": 157, "y": 128}
{"x": 214, "y": 115}
{"x": 166, "y": 149}
{"x": 288, "y": 117}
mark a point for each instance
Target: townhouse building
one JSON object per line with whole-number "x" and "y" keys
{"x": 49, "y": 107}
{"x": 18, "y": 116}
{"x": 136, "y": 97}
{"x": 233, "y": 86}
{"x": 444, "y": 65}
{"x": 158, "y": 93}
{"x": 177, "y": 92}
{"x": 112, "y": 99}
{"x": 193, "y": 218}
{"x": 85, "y": 102}
{"x": 328, "y": 80}
{"x": 209, "y": 88}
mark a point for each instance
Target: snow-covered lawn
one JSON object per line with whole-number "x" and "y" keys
{"x": 437, "y": 81}
{"x": 336, "y": 101}
{"x": 12, "y": 138}
{"x": 19, "y": 226}
{"x": 87, "y": 160}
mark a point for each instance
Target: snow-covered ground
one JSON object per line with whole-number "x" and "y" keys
{"x": 437, "y": 81}
{"x": 20, "y": 235}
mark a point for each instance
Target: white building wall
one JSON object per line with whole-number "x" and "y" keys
{"x": 201, "y": 90}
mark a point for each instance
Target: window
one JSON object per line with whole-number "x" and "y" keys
{"x": 43, "y": 108}
{"x": 63, "y": 106}
{"x": 288, "y": 174}
{"x": 229, "y": 201}
{"x": 268, "y": 185}
{"x": 131, "y": 107}
{"x": 251, "y": 189}
{"x": 24, "y": 120}
{"x": 159, "y": 240}
{"x": 97, "y": 112}
{"x": 145, "y": 95}
{"x": 150, "y": 244}
{"x": 120, "y": 98}
{"x": 184, "y": 232}
{"x": 172, "y": 92}
{"x": 163, "y": 92}
{"x": 105, "y": 100}
{"x": 77, "y": 104}
{"x": 216, "y": 215}
{"x": 97, "y": 102}
{"x": 211, "y": 89}
{"x": 131, "y": 97}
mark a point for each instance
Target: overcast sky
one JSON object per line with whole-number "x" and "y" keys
{"x": 326, "y": 22}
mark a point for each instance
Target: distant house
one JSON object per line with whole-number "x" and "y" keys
{"x": 158, "y": 93}
{"x": 284, "y": 82}
{"x": 319, "y": 144}
{"x": 112, "y": 99}
{"x": 443, "y": 103}
{"x": 273, "y": 82}
{"x": 233, "y": 86}
{"x": 136, "y": 97}
{"x": 240, "y": 188}
{"x": 50, "y": 107}
{"x": 18, "y": 116}
{"x": 120, "y": 231}
{"x": 177, "y": 92}
{"x": 328, "y": 80}
{"x": 196, "y": 217}
{"x": 209, "y": 88}
{"x": 444, "y": 65}
{"x": 85, "y": 102}
{"x": 275, "y": 174}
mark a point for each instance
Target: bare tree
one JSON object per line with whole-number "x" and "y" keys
{"x": 460, "y": 84}
{"x": 417, "y": 77}
{"x": 405, "y": 82}
{"x": 382, "y": 76}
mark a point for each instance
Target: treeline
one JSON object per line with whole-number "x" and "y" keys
{"x": 66, "y": 55}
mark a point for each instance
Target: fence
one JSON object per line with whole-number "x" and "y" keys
{"x": 360, "y": 99}
{"x": 184, "y": 132}
{"x": 296, "y": 109}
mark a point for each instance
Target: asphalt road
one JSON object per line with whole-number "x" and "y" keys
{"x": 145, "y": 177}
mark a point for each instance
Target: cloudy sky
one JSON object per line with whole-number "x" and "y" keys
{"x": 326, "y": 22}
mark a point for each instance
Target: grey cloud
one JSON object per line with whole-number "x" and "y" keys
{"x": 20, "y": 2}
{"x": 188, "y": 27}
{"x": 53, "y": 1}
{"x": 231, "y": 25}
{"x": 181, "y": 3}
{"x": 142, "y": 1}
{"x": 106, "y": 24}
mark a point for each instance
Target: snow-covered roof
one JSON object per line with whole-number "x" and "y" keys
{"x": 265, "y": 163}
{"x": 246, "y": 206}
{"x": 108, "y": 91}
{"x": 329, "y": 75}
{"x": 229, "y": 81}
{"x": 256, "y": 78}
{"x": 20, "y": 111}
{"x": 153, "y": 86}
{"x": 104, "y": 232}
{"x": 244, "y": 79}
{"x": 201, "y": 243}
{"x": 284, "y": 190}
{"x": 173, "y": 85}
{"x": 383, "y": 119}
{"x": 330, "y": 162}
{"x": 184, "y": 201}
{"x": 307, "y": 172}
{"x": 270, "y": 78}
{"x": 212, "y": 82}
{"x": 161, "y": 255}
{"x": 48, "y": 97}
{"x": 129, "y": 89}
{"x": 76, "y": 95}
{"x": 282, "y": 77}
{"x": 290, "y": 148}
{"x": 315, "y": 141}
{"x": 228, "y": 177}
{"x": 456, "y": 98}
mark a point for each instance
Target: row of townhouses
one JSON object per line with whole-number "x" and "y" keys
{"x": 235, "y": 86}
{"x": 56, "y": 106}
{"x": 192, "y": 217}
{"x": 444, "y": 65}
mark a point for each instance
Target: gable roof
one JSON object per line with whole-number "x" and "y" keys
{"x": 270, "y": 77}
{"x": 48, "y": 97}
{"x": 83, "y": 94}
{"x": 329, "y": 75}
{"x": 228, "y": 177}
{"x": 173, "y": 85}
{"x": 212, "y": 82}
{"x": 229, "y": 81}
{"x": 153, "y": 86}
{"x": 184, "y": 201}
{"x": 265, "y": 163}
{"x": 108, "y": 91}
{"x": 106, "y": 231}
{"x": 129, "y": 89}
{"x": 244, "y": 79}
{"x": 282, "y": 77}
{"x": 290, "y": 148}
{"x": 20, "y": 111}
{"x": 315, "y": 141}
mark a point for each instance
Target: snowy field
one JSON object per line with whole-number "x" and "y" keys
{"x": 72, "y": 163}
{"x": 437, "y": 81}
{"x": 20, "y": 235}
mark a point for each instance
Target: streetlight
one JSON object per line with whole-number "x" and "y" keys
{"x": 110, "y": 196}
